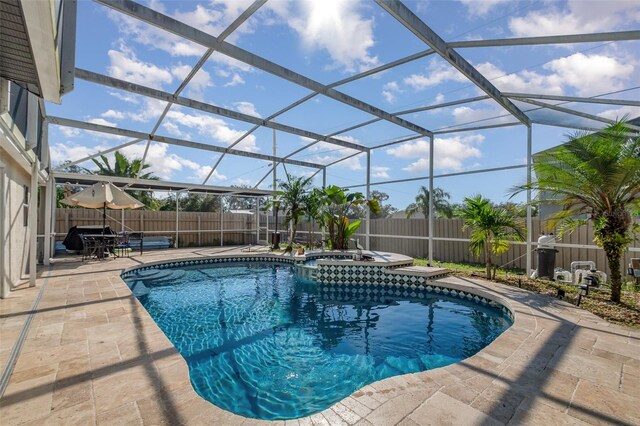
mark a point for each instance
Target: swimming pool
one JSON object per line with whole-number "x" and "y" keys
{"x": 263, "y": 344}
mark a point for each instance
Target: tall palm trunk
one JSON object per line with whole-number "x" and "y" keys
{"x": 487, "y": 258}
{"x": 613, "y": 258}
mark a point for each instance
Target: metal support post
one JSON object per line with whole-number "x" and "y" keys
{"x": 324, "y": 185}
{"x": 368, "y": 228}
{"x": 529, "y": 221}
{"x": 177, "y": 214}
{"x": 33, "y": 222}
{"x": 431, "y": 149}
{"x": 48, "y": 208}
{"x": 221, "y": 220}
{"x": 4, "y": 283}
{"x": 257, "y": 199}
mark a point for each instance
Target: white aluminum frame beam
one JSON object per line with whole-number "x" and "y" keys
{"x": 573, "y": 112}
{"x": 202, "y": 106}
{"x": 157, "y": 185}
{"x": 469, "y": 129}
{"x": 554, "y": 39}
{"x": 89, "y": 157}
{"x": 469, "y": 172}
{"x": 181, "y": 29}
{"x": 171, "y": 141}
{"x": 572, "y": 99}
{"x": 226, "y": 33}
{"x": 300, "y": 101}
{"x": 414, "y": 24}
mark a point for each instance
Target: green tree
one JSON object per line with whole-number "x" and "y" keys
{"x": 237, "y": 202}
{"x": 123, "y": 167}
{"x": 192, "y": 202}
{"x": 597, "y": 175}
{"x": 491, "y": 228}
{"x": 441, "y": 205}
{"x": 386, "y": 210}
{"x": 313, "y": 212}
{"x": 292, "y": 195}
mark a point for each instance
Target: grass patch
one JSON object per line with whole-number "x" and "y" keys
{"x": 627, "y": 312}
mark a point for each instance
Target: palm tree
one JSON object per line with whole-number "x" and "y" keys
{"x": 313, "y": 211}
{"x": 292, "y": 195}
{"x": 597, "y": 175}
{"x": 491, "y": 228}
{"x": 123, "y": 167}
{"x": 441, "y": 205}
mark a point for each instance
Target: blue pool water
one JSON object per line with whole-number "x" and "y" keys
{"x": 263, "y": 344}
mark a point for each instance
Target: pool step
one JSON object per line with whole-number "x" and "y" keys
{"x": 427, "y": 272}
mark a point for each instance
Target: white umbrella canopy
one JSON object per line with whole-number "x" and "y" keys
{"x": 103, "y": 194}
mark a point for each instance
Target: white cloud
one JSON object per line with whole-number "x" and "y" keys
{"x": 439, "y": 98}
{"x": 69, "y": 132}
{"x": 328, "y": 153}
{"x": 211, "y": 127}
{"x": 380, "y": 171}
{"x": 464, "y": 114}
{"x": 154, "y": 37}
{"x": 174, "y": 130}
{"x": 151, "y": 109}
{"x": 102, "y": 122}
{"x": 338, "y": 27}
{"x": 389, "y": 91}
{"x": 523, "y": 81}
{"x": 482, "y": 7}
{"x": 61, "y": 152}
{"x": 127, "y": 97}
{"x": 124, "y": 65}
{"x": 591, "y": 74}
{"x": 619, "y": 113}
{"x": 247, "y": 108}
{"x": 198, "y": 84}
{"x": 449, "y": 153}
{"x": 235, "y": 80}
{"x": 116, "y": 115}
{"x": 165, "y": 165}
{"x": 579, "y": 17}
{"x": 437, "y": 72}
{"x": 586, "y": 74}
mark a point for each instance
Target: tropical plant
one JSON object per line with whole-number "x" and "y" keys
{"x": 123, "y": 167}
{"x": 441, "y": 205}
{"x": 597, "y": 175}
{"x": 291, "y": 196}
{"x": 313, "y": 212}
{"x": 336, "y": 204}
{"x": 491, "y": 228}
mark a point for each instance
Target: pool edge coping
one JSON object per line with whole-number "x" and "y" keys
{"x": 448, "y": 369}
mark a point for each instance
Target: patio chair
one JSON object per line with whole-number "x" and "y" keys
{"x": 91, "y": 247}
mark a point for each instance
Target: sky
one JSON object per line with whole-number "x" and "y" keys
{"x": 331, "y": 40}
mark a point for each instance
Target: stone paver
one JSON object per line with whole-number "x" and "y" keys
{"x": 93, "y": 355}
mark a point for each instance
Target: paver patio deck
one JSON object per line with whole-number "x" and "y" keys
{"x": 93, "y": 355}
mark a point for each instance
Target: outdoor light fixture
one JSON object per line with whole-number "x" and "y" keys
{"x": 584, "y": 291}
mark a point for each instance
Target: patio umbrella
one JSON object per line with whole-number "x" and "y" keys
{"x": 103, "y": 194}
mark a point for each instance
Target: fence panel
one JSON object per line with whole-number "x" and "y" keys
{"x": 406, "y": 236}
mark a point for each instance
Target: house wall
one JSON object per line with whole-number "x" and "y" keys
{"x": 14, "y": 234}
